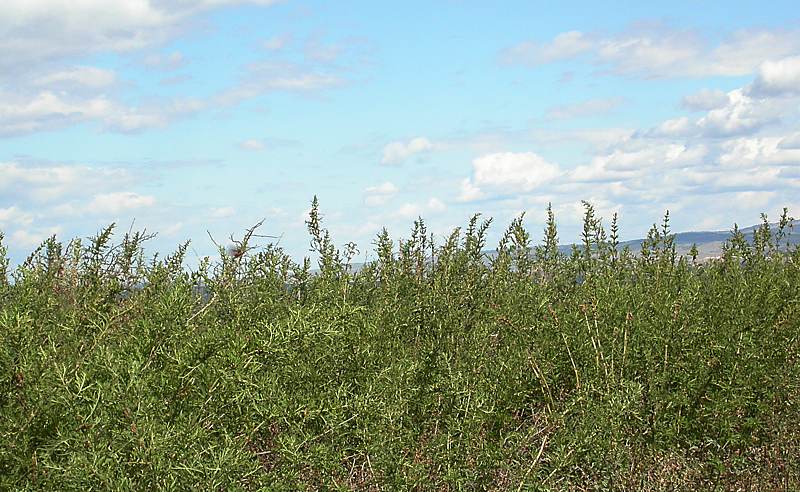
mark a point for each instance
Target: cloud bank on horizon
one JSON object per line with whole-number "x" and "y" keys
{"x": 184, "y": 116}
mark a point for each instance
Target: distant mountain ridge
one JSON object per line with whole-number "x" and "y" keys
{"x": 709, "y": 243}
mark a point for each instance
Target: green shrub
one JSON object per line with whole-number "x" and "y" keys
{"x": 433, "y": 367}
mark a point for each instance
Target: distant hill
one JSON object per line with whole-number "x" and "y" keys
{"x": 709, "y": 243}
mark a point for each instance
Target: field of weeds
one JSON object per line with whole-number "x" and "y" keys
{"x": 430, "y": 368}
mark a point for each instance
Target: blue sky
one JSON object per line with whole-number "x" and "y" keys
{"x": 209, "y": 115}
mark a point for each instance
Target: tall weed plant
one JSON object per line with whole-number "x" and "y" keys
{"x": 433, "y": 367}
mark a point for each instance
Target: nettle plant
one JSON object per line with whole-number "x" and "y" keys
{"x": 437, "y": 365}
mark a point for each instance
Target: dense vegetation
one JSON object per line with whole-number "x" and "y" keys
{"x": 432, "y": 367}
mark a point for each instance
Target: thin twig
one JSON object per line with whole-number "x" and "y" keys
{"x": 535, "y": 461}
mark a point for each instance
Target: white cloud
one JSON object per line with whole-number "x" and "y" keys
{"x": 746, "y": 50}
{"x": 740, "y": 112}
{"x": 386, "y": 188}
{"x": 790, "y": 141}
{"x": 705, "y": 100}
{"x": 410, "y": 210}
{"x": 13, "y": 215}
{"x": 750, "y": 152}
{"x": 741, "y": 156}
{"x": 222, "y": 212}
{"x": 565, "y": 45}
{"x": 584, "y": 108}
{"x": 166, "y": 62}
{"x": 761, "y": 178}
{"x": 45, "y": 183}
{"x": 318, "y": 51}
{"x": 251, "y": 144}
{"x": 32, "y": 31}
{"x": 645, "y": 55}
{"x": 470, "y": 192}
{"x": 380, "y": 194}
{"x": 320, "y": 69}
{"x": 436, "y": 206}
{"x": 791, "y": 174}
{"x": 118, "y": 202}
{"x": 597, "y": 139}
{"x": 77, "y": 77}
{"x": 756, "y": 199}
{"x": 172, "y": 230}
{"x": 675, "y": 127}
{"x": 658, "y": 51}
{"x": 511, "y": 171}
{"x": 269, "y": 76}
{"x": 41, "y": 89}
{"x": 277, "y": 43}
{"x": 778, "y": 77}
{"x": 398, "y": 152}
{"x": 31, "y": 238}
{"x": 39, "y": 37}
{"x": 637, "y": 160}
{"x": 741, "y": 115}
{"x": 47, "y": 110}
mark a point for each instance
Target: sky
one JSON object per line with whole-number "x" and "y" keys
{"x": 198, "y": 118}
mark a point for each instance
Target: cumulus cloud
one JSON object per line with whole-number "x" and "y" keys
{"x": 705, "y": 100}
{"x": 745, "y": 146}
{"x": 59, "y": 192}
{"x": 398, "y": 152}
{"x": 778, "y": 77}
{"x": 638, "y": 159}
{"x": 46, "y": 183}
{"x": 118, "y": 202}
{"x": 750, "y": 152}
{"x": 30, "y": 238}
{"x": 380, "y": 194}
{"x": 512, "y": 171}
{"x": 33, "y": 31}
{"x": 470, "y": 192}
{"x": 13, "y": 215}
{"x": 742, "y": 114}
{"x": 48, "y": 110}
{"x": 658, "y": 51}
{"x": 675, "y": 127}
{"x": 585, "y": 108}
{"x": 739, "y": 155}
{"x": 44, "y": 90}
{"x": 411, "y": 210}
{"x": 105, "y": 204}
